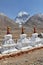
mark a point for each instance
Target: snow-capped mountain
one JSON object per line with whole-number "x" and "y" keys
{"x": 22, "y": 17}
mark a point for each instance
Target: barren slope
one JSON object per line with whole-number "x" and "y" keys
{"x": 32, "y": 58}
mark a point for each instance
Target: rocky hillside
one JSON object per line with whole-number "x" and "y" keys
{"x": 35, "y": 21}
{"x": 6, "y": 21}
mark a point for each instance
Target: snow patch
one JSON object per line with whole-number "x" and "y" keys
{"x": 22, "y": 13}
{"x": 2, "y": 14}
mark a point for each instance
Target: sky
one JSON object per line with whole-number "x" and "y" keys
{"x": 12, "y": 7}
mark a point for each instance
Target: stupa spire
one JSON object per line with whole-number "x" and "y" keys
{"x": 34, "y": 29}
{"x": 8, "y": 30}
{"x": 22, "y": 30}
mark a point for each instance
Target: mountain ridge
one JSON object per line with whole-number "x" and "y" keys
{"x": 6, "y": 21}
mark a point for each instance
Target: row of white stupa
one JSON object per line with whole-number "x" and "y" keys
{"x": 9, "y": 46}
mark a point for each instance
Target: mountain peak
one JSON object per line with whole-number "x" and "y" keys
{"x": 21, "y": 17}
{"x": 22, "y": 13}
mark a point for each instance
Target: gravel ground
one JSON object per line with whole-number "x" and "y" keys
{"x": 31, "y": 58}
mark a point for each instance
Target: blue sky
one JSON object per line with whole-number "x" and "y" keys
{"x": 12, "y": 7}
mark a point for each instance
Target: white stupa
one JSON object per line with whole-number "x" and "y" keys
{"x": 35, "y": 40}
{"x": 8, "y": 45}
{"x": 23, "y": 42}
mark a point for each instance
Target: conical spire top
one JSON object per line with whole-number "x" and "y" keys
{"x": 22, "y": 30}
{"x": 34, "y": 29}
{"x": 8, "y": 30}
